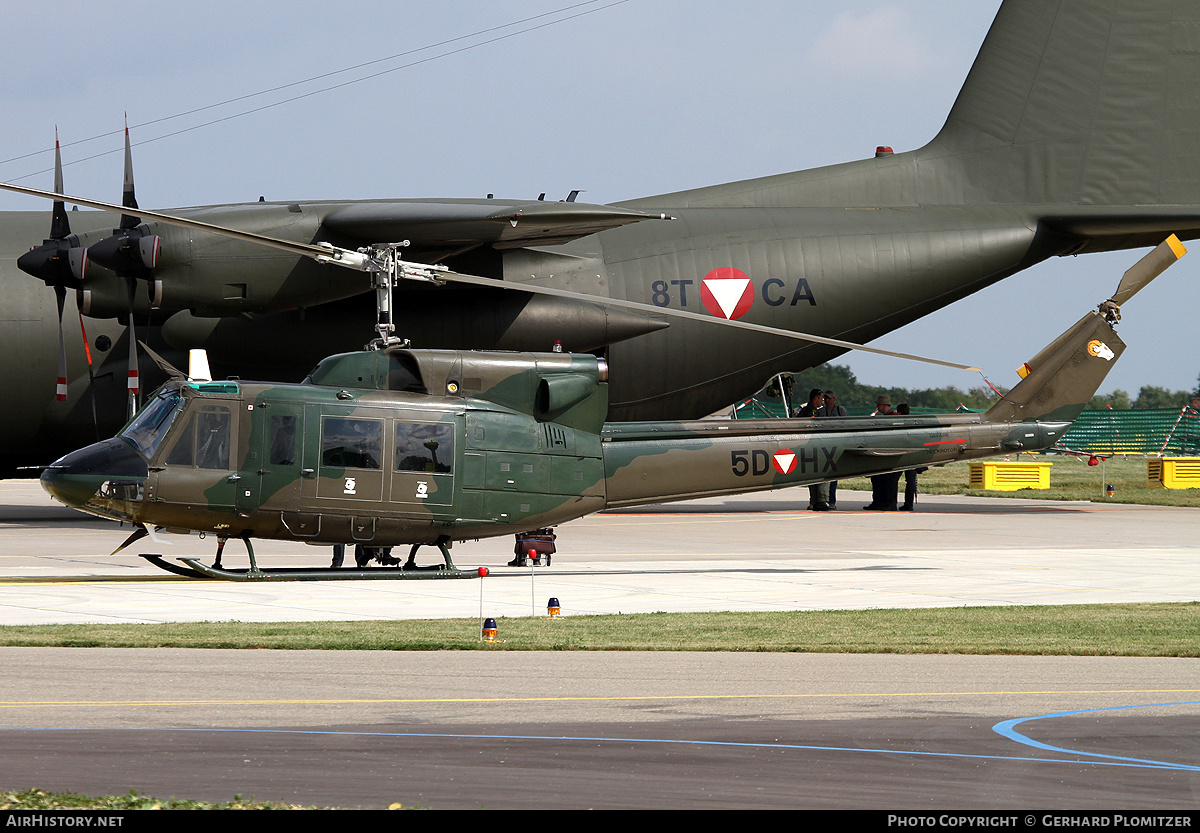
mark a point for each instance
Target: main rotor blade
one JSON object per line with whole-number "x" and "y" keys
{"x": 173, "y": 372}
{"x": 694, "y": 316}
{"x": 303, "y": 249}
{"x": 359, "y": 261}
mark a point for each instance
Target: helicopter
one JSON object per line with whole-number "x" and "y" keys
{"x": 399, "y": 446}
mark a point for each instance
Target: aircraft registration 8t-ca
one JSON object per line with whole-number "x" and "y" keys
{"x": 401, "y": 446}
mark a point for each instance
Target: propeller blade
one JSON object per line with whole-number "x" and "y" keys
{"x": 61, "y": 388}
{"x": 87, "y": 351}
{"x": 132, "y": 383}
{"x": 60, "y": 223}
{"x": 128, "y": 200}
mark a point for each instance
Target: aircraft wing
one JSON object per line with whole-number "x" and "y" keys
{"x": 459, "y": 225}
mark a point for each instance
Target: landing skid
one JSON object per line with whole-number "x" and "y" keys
{"x": 320, "y": 573}
{"x": 172, "y": 567}
{"x": 197, "y": 569}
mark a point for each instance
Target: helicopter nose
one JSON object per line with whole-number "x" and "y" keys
{"x": 106, "y": 479}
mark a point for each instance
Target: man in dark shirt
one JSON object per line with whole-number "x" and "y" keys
{"x": 818, "y": 494}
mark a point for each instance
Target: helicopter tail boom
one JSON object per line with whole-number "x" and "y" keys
{"x": 659, "y": 462}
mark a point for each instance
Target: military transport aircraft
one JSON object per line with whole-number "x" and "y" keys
{"x": 394, "y": 445}
{"x": 1073, "y": 133}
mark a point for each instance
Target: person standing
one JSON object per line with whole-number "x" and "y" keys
{"x": 818, "y": 493}
{"x": 884, "y": 487}
{"x": 816, "y": 399}
{"x": 832, "y": 409}
{"x": 910, "y": 475}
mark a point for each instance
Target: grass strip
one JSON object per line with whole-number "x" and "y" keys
{"x": 44, "y": 800}
{"x": 1147, "y": 630}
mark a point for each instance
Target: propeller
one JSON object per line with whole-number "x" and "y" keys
{"x": 60, "y": 262}
{"x": 383, "y": 263}
{"x": 131, "y": 251}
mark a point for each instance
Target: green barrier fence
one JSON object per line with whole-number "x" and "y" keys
{"x": 1172, "y": 431}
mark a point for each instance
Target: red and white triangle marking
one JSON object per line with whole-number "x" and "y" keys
{"x": 784, "y": 461}
{"x": 727, "y": 293}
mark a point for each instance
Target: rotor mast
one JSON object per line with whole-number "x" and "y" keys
{"x": 382, "y": 261}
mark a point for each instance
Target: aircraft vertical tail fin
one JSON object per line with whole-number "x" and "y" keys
{"x": 1071, "y": 109}
{"x": 1089, "y": 103}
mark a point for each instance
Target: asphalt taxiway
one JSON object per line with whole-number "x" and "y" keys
{"x": 605, "y": 730}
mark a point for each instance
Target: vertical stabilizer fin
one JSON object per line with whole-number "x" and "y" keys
{"x": 1067, "y": 375}
{"x": 1080, "y": 103}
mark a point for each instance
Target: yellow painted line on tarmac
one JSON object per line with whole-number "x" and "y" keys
{"x": 618, "y": 699}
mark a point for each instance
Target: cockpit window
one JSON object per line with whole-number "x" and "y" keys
{"x": 204, "y": 440}
{"x": 151, "y": 425}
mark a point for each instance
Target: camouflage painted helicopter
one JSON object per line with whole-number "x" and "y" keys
{"x": 1071, "y": 134}
{"x": 394, "y": 446}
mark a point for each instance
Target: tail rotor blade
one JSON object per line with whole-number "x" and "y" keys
{"x": 1148, "y": 268}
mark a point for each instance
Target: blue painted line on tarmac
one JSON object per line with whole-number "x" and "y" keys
{"x": 1118, "y": 762}
{"x": 1006, "y": 729}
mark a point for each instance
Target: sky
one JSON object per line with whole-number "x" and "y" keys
{"x": 621, "y": 98}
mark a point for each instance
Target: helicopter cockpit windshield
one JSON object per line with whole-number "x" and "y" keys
{"x": 149, "y": 427}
